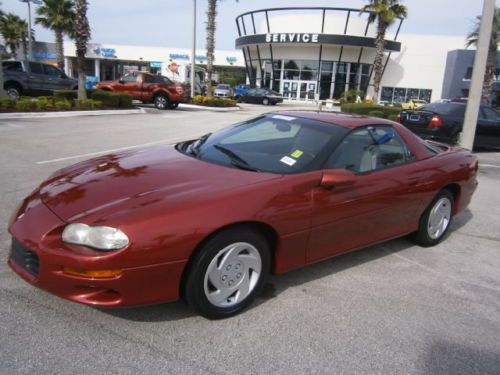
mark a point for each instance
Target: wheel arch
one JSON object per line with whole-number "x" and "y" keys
{"x": 161, "y": 92}
{"x": 270, "y": 234}
{"x": 14, "y": 83}
{"x": 456, "y": 190}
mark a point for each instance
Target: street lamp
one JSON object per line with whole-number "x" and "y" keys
{"x": 37, "y": 2}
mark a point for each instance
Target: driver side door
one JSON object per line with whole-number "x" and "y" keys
{"x": 380, "y": 204}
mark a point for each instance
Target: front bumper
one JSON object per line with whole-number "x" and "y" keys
{"x": 39, "y": 256}
{"x": 222, "y": 94}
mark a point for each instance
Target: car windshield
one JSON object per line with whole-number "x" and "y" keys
{"x": 271, "y": 143}
{"x": 444, "y": 108}
{"x": 223, "y": 87}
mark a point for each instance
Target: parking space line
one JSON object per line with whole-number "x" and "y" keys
{"x": 489, "y": 165}
{"x": 169, "y": 140}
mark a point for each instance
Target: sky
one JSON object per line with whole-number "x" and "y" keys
{"x": 168, "y": 23}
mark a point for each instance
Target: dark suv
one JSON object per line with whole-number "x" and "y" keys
{"x": 34, "y": 78}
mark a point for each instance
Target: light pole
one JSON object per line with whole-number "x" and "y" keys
{"x": 193, "y": 54}
{"x": 30, "y": 47}
{"x": 474, "y": 101}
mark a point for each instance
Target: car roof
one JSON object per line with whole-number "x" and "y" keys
{"x": 345, "y": 120}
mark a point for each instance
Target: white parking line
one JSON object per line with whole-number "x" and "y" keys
{"x": 169, "y": 140}
{"x": 489, "y": 165}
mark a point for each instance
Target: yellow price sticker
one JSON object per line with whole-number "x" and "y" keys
{"x": 297, "y": 154}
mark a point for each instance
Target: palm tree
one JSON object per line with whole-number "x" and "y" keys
{"x": 2, "y": 91}
{"x": 211, "y": 15}
{"x": 491, "y": 61}
{"x": 82, "y": 35}
{"x": 59, "y": 16}
{"x": 10, "y": 31}
{"x": 24, "y": 36}
{"x": 385, "y": 13}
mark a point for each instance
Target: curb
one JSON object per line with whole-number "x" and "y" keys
{"x": 204, "y": 108}
{"x": 15, "y": 115}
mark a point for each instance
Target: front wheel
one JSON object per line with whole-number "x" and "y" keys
{"x": 265, "y": 101}
{"x": 228, "y": 273}
{"x": 435, "y": 220}
{"x": 161, "y": 101}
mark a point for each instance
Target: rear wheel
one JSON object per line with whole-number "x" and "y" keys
{"x": 265, "y": 101}
{"x": 228, "y": 273}
{"x": 161, "y": 101}
{"x": 435, "y": 220}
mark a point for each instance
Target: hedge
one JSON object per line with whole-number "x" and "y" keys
{"x": 112, "y": 99}
{"x": 213, "y": 102}
{"x": 376, "y": 114}
{"x": 365, "y": 109}
{"x": 69, "y": 95}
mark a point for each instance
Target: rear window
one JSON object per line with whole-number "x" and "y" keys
{"x": 223, "y": 87}
{"x": 445, "y": 108}
{"x": 13, "y": 66}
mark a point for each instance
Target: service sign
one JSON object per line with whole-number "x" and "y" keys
{"x": 292, "y": 38}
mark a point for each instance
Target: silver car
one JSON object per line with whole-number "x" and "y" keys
{"x": 223, "y": 91}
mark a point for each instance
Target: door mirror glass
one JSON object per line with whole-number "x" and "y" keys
{"x": 333, "y": 178}
{"x": 121, "y": 80}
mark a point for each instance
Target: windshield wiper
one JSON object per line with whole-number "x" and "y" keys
{"x": 236, "y": 160}
{"x": 195, "y": 146}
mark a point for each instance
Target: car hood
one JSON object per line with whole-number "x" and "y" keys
{"x": 100, "y": 184}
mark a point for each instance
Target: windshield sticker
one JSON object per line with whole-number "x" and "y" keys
{"x": 296, "y": 154}
{"x": 288, "y": 161}
{"x": 286, "y": 118}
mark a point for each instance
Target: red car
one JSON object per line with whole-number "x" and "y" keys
{"x": 209, "y": 219}
{"x": 148, "y": 88}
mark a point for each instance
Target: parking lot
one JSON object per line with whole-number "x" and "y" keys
{"x": 390, "y": 308}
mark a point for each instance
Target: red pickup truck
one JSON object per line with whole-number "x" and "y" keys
{"x": 148, "y": 88}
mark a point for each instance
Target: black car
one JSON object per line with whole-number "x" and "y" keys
{"x": 34, "y": 78}
{"x": 443, "y": 122}
{"x": 261, "y": 96}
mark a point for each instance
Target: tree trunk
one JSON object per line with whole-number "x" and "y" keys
{"x": 211, "y": 14}
{"x": 82, "y": 36}
{"x": 378, "y": 65}
{"x": 82, "y": 93}
{"x": 2, "y": 92}
{"x": 489, "y": 75}
{"x": 59, "y": 49}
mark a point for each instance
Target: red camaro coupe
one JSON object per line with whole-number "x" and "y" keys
{"x": 209, "y": 219}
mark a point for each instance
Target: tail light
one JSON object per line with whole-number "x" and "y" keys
{"x": 435, "y": 122}
{"x": 398, "y": 117}
{"x": 179, "y": 89}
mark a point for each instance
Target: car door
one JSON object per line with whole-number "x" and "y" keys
{"x": 130, "y": 84}
{"x": 488, "y": 128}
{"x": 380, "y": 204}
{"x": 36, "y": 79}
{"x": 53, "y": 78}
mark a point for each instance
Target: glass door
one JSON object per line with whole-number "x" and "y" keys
{"x": 307, "y": 90}
{"x": 290, "y": 90}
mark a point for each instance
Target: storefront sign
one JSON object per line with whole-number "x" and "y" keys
{"x": 105, "y": 52}
{"x": 44, "y": 55}
{"x": 292, "y": 38}
{"x": 155, "y": 64}
{"x": 179, "y": 56}
{"x": 231, "y": 59}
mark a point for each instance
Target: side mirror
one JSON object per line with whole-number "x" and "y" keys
{"x": 337, "y": 178}
{"x": 121, "y": 80}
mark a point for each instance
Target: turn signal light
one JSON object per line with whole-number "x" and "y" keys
{"x": 101, "y": 274}
{"x": 435, "y": 122}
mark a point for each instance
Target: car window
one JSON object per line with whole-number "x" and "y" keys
{"x": 130, "y": 78}
{"x": 266, "y": 130}
{"x": 252, "y": 92}
{"x": 369, "y": 149}
{"x": 223, "y": 87}
{"x": 36, "y": 68}
{"x": 489, "y": 114}
{"x": 456, "y": 109}
{"x": 148, "y": 78}
{"x": 52, "y": 71}
{"x": 162, "y": 79}
{"x": 12, "y": 66}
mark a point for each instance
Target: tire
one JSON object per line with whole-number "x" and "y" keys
{"x": 161, "y": 102}
{"x": 435, "y": 221}
{"x": 13, "y": 91}
{"x": 173, "y": 105}
{"x": 273, "y": 103}
{"x": 265, "y": 101}
{"x": 227, "y": 273}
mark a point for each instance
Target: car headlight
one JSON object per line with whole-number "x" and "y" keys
{"x": 102, "y": 238}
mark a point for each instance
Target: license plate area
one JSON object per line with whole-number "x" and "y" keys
{"x": 414, "y": 118}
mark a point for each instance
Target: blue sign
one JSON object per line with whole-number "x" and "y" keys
{"x": 231, "y": 59}
{"x": 179, "y": 56}
{"x": 201, "y": 57}
{"x": 155, "y": 64}
{"x": 105, "y": 52}
{"x": 44, "y": 55}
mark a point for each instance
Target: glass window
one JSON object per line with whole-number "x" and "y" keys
{"x": 149, "y": 78}
{"x": 52, "y": 71}
{"x": 399, "y": 95}
{"x": 386, "y": 94}
{"x": 129, "y": 78}
{"x": 291, "y": 74}
{"x": 291, "y": 64}
{"x": 370, "y": 148}
{"x": 468, "y": 73}
{"x": 489, "y": 114}
{"x": 412, "y": 94}
{"x": 36, "y": 68}
{"x": 13, "y": 66}
{"x": 425, "y": 95}
{"x": 326, "y": 66}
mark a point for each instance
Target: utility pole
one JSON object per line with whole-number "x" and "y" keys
{"x": 193, "y": 54}
{"x": 474, "y": 101}
{"x": 30, "y": 45}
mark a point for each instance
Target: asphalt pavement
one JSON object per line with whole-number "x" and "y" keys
{"x": 390, "y": 308}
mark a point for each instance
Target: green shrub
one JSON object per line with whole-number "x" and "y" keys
{"x": 68, "y": 95}
{"x": 107, "y": 98}
{"x": 62, "y": 105}
{"x": 376, "y": 114}
{"x": 24, "y": 104}
{"x": 213, "y": 102}
{"x": 83, "y": 104}
{"x": 96, "y": 104}
{"x": 44, "y": 103}
{"x": 125, "y": 100}
{"x": 393, "y": 117}
{"x": 351, "y": 95}
{"x": 6, "y": 102}
{"x": 366, "y": 108}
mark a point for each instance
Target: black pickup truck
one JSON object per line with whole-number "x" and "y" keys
{"x": 34, "y": 78}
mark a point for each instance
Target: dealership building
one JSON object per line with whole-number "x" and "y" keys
{"x": 306, "y": 54}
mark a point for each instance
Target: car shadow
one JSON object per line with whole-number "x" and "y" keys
{"x": 279, "y": 283}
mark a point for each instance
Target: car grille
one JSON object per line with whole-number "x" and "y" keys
{"x": 24, "y": 257}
